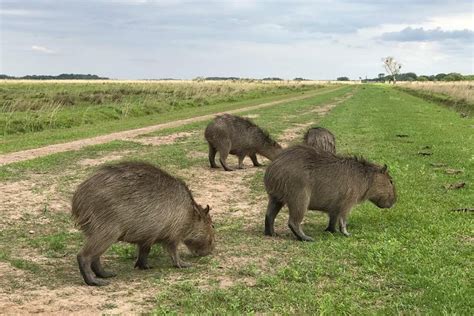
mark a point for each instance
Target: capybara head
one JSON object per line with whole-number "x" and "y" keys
{"x": 382, "y": 190}
{"x": 201, "y": 239}
{"x": 271, "y": 150}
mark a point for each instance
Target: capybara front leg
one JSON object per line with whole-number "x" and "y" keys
{"x": 99, "y": 271}
{"x": 172, "y": 249}
{"x": 332, "y": 223}
{"x": 273, "y": 208}
{"x": 298, "y": 208}
{"x": 255, "y": 162}
{"x": 343, "y": 225}
{"x": 212, "y": 156}
{"x": 142, "y": 261}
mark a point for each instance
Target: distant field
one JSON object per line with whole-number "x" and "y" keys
{"x": 458, "y": 95}
{"x": 415, "y": 258}
{"x": 27, "y": 106}
{"x": 51, "y": 112}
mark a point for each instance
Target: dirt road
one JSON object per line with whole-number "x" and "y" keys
{"x": 78, "y": 144}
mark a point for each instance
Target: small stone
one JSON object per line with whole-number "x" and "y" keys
{"x": 31, "y": 232}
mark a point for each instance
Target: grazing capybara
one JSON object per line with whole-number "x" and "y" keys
{"x": 141, "y": 204}
{"x": 320, "y": 138}
{"x": 230, "y": 134}
{"x": 306, "y": 178}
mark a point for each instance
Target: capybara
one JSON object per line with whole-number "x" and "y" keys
{"x": 230, "y": 134}
{"x": 138, "y": 203}
{"x": 320, "y": 138}
{"x": 306, "y": 178}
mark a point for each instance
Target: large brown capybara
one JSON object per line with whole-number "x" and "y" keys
{"x": 141, "y": 204}
{"x": 306, "y": 178}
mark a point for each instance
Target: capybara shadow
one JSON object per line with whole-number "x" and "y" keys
{"x": 138, "y": 203}
{"x": 306, "y": 178}
{"x": 235, "y": 135}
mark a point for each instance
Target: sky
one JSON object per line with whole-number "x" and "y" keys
{"x": 151, "y": 39}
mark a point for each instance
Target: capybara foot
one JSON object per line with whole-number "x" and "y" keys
{"x": 106, "y": 274}
{"x": 182, "y": 265}
{"x": 330, "y": 229}
{"x": 96, "y": 282}
{"x": 143, "y": 266}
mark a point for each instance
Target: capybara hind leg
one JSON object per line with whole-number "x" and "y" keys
{"x": 212, "y": 156}
{"x": 332, "y": 223}
{"x": 297, "y": 211}
{"x": 343, "y": 225}
{"x": 273, "y": 208}
{"x": 172, "y": 249}
{"x": 92, "y": 250}
{"x": 255, "y": 162}
{"x": 241, "y": 162}
{"x": 99, "y": 271}
{"x": 224, "y": 150}
{"x": 222, "y": 159}
{"x": 86, "y": 271}
{"x": 142, "y": 261}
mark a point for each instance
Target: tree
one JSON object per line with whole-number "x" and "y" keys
{"x": 342, "y": 79}
{"x": 392, "y": 67}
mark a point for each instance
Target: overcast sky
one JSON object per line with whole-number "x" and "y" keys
{"x": 137, "y": 39}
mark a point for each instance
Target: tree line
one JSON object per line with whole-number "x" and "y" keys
{"x": 58, "y": 77}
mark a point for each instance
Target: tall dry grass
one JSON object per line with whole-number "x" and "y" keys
{"x": 459, "y": 95}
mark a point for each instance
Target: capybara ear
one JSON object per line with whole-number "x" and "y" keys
{"x": 207, "y": 209}
{"x": 384, "y": 169}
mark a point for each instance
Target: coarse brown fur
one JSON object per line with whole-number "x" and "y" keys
{"x": 305, "y": 178}
{"x": 320, "y": 138}
{"x": 138, "y": 203}
{"x": 230, "y": 134}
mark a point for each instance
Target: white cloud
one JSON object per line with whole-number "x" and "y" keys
{"x": 42, "y": 49}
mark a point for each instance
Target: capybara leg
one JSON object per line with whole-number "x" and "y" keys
{"x": 241, "y": 162}
{"x": 142, "y": 261}
{"x": 172, "y": 249}
{"x": 212, "y": 156}
{"x": 223, "y": 153}
{"x": 297, "y": 210}
{"x": 332, "y": 223}
{"x": 273, "y": 208}
{"x": 91, "y": 251}
{"x": 99, "y": 270}
{"x": 86, "y": 271}
{"x": 254, "y": 160}
{"x": 343, "y": 226}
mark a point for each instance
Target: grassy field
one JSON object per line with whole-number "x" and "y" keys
{"x": 458, "y": 95}
{"x": 413, "y": 259}
{"x": 34, "y": 114}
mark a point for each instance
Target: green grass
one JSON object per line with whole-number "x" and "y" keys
{"x": 86, "y": 120}
{"x": 415, "y": 258}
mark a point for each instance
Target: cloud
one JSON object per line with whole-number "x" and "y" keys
{"x": 409, "y": 34}
{"x": 42, "y": 49}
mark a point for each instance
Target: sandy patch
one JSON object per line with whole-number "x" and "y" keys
{"x": 162, "y": 140}
{"x": 90, "y": 162}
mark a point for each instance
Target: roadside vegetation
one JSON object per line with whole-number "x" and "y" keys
{"x": 57, "y": 112}
{"x": 459, "y": 95}
{"x": 414, "y": 258}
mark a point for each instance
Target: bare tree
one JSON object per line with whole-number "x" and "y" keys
{"x": 392, "y": 67}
